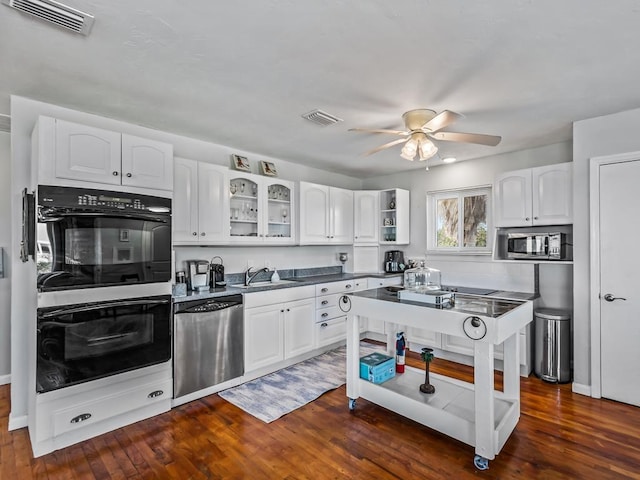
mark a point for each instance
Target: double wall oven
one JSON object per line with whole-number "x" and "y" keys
{"x": 104, "y": 292}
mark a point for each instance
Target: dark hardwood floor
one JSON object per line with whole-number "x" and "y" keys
{"x": 561, "y": 435}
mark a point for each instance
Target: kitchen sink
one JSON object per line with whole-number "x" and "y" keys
{"x": 264, "y": 284}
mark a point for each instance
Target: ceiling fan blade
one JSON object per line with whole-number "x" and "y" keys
{"x": 386, "y": 145}
{"x": 479, "y": 138}
{"x": 380, "y": 130}
{"x": 442, "y": 120}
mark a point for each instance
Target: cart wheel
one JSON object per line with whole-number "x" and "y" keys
{"x": 352, "y": 404}
{"x": 481, "y": 463}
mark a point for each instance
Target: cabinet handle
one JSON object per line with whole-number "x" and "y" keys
{"x": 527, "y": 218}
{"x": 203, "y": 234}
{"x": 324, "y": 325}
{"x": 81, "y": 418}
{"x": 324, "y": 315}
{"x": 324, "y": 290}
{"x": 155, "y": 394}
{"x": 288, "y": 310}
{"x": 115, "y": 174}
{"x": 324, "y": 302}
{"x": 347, "y": 286}
{"x": 535, "y": 218}
{"x": 128, "y": 175}
{"x": 282, "y": 311}
{"x": 195, "y": 234}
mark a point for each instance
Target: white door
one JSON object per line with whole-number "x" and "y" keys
{"x": 147, "y": 163}
{"x": 512, "y": 199}
{"x": 341, "y": 215}
{"x": 314, "y": 213}
{"x": 365, "y": 222}
{"x": 552, "y": 194}
{"x": 619, "y": 267}
{"x": 185, "y": 201}
{"x": 263, "y": 336}
{"x": 213, "y": 203}
{"x": 87, "y": 153}
{"x": 299, "y": 324}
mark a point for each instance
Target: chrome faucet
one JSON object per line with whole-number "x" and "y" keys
{"x": 249, "y": 276}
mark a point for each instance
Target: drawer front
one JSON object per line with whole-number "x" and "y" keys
{"x": 325, "y": 314}
{"x": 384, "y": 282}
{"x": 335, "y": 287}
{"x": 326, "y": 301}
{"x": 331, "y": 331}
{"x": 78, "y": 416}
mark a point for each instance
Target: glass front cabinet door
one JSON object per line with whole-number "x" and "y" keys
{"x": 260, "y": 210}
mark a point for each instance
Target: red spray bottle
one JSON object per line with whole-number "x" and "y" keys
{"x": 401, "y": 345}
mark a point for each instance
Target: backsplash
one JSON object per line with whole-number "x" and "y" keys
{"x": 516, "y": 277}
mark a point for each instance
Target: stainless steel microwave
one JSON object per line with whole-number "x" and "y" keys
{"x": 539, "y": 246}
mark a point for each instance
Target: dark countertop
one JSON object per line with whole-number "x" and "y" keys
{"x": 296, "y": 282}
{"x": 476, "y": 304}
{"x": 305, "y": 277}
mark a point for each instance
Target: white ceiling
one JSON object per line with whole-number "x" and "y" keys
{"x": 241, "y": 73}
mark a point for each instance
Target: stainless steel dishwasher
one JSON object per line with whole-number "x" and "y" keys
{"x": 208, "y": 343}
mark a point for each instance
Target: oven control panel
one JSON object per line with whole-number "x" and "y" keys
{"x": 100, "y": 200}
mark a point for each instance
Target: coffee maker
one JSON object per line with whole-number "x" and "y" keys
{"x": 198, "y": 275}
{"x": 394, "y": 261}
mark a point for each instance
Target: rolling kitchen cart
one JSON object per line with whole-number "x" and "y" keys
{"x": 474, "y": 413}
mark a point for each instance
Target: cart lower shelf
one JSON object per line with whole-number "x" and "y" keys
{"x": 450, "y": 410}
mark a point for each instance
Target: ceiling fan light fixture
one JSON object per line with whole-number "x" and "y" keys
{"x": 427, "y": 149}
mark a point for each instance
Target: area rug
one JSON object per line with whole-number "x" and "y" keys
{"x": 276, "y": 394}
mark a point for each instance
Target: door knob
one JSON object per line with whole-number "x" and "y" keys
{"x": 610, "y": 298}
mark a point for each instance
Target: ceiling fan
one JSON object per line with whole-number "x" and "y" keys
{"x": 423, "y": 126}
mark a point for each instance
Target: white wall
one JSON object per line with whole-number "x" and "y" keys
{"x": 607, "y": 135}
{"x": 5, "y": 243}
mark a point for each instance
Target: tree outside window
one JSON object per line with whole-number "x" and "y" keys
{"x": 458, "y": 221}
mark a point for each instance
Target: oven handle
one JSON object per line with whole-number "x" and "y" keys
{"x": 53, "y": 216}
{"x": 88, "y": 308}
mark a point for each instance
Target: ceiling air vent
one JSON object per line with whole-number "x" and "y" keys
{"x": 5, "y": 123}
{"x": 321, "y": 118}
{"x": 56, "y": 13}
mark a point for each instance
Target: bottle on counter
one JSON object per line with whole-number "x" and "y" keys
{"x": 276, "y": 276}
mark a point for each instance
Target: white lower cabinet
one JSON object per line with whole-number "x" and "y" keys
{"x": 331, "y": 316}
{"x": 74, "y": 414}
{"x": 278, "y": 325}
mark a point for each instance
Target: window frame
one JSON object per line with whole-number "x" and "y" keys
{"x": 432, "y": 228}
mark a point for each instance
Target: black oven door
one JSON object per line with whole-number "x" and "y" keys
{"x": 88, "y": 249}
{"x": 83, "y": 342}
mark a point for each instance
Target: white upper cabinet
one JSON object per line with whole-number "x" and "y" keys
{"x": 534, "y": 196}
{"x": 365, "y": 217}
{"x": 200, "y": 203}
{"x": 261, "y": 209}
{"x": 326, "y": 215}
{"x": 394, "y": 217}
{"x": 90, "y": 154}
{"x": 146, "y": 163}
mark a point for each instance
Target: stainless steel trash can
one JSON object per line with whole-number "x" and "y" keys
{"x": 552, "y": 345}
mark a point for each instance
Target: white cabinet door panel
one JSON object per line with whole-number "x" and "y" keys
{"x": 146, "y": 163}
{"x": 213, "y": 203}
{"x": 87, "y": 153}
{"x": 298, "y": 327}
{"x": 263, "y": 333}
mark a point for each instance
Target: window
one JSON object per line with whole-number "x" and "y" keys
{"x": 459, "y": 221}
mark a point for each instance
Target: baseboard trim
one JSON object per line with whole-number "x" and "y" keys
{"x": 4, "y": 379}
{"x": 18, "y": 422}
{"x": 581, "y": 389}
